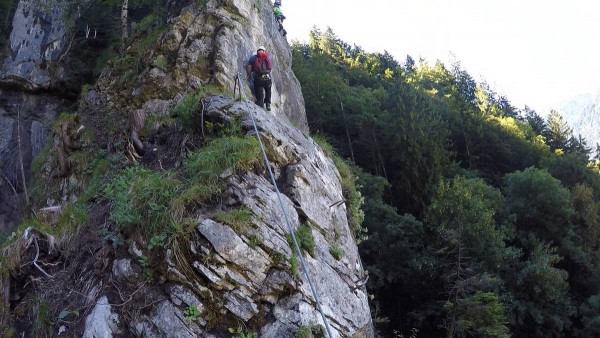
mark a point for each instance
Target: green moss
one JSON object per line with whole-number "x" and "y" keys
{"x": 236, "y": 218}
{"x": 336, "y": 251}
{"x": 294, "y": 263}
{"x": 42, "y": 319}
{"x": 352, "y": 196}
{"x": 161, "y": 63}
{"x": 354, "y": 199}
{"x": 309, "y": 331}
{"x": 205, "y": 166}
{"x": 305, "y": 239}
{"x": 141, "y": 200}
{"x": 73, "y": 217}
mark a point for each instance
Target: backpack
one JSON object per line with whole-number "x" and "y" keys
{"x": 262, "y": 66}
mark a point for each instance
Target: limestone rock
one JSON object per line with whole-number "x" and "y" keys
{"x": 123, "y": 270}
{"x": 39, "y": 37}
{"x": 213, "y": 45}
{"x": 242, "y": 274}
{"x": 101, "y": 322}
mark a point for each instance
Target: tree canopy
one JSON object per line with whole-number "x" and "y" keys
{"x": 482, "y": 219}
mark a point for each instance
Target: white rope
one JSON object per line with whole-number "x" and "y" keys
{"x": 291, "y": 231}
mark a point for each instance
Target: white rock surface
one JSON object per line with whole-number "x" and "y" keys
{"x": 101, "y": 322}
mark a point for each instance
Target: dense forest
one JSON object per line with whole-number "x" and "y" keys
{"x": 481, "y": 219}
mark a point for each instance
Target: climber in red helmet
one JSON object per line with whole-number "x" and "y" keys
{"x": 259, "y": 68}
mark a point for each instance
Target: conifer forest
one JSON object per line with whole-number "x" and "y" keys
{"x": 480, "y": 219}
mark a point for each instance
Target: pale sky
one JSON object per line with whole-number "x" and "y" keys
{"x": 535, "y": 52}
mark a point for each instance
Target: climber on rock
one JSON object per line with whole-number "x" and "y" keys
{"x": 279, "y": 17}
{"x": 259, "y": 70}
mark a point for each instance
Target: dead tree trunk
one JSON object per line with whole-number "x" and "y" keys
{"x": 124, "y": 26}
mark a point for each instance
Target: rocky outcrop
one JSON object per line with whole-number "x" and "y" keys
{"x": 245, "y": 273}
{"x": 25, "y": 121}
{"x": 226, "y": 279}
{"x": 38, "y": 42}
{"x": 212, "y": 45}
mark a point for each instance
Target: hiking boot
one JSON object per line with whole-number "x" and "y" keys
{"x": 268, "y": 107}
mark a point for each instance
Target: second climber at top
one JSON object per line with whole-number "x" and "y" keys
{"x": 279, "y": 17}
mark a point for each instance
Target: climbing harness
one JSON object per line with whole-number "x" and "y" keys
{"x": 290, "y": 230}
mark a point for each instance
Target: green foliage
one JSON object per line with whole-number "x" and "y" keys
{"x": 161, "y": 63}
{"x": 350, "y": 190}
{"x": 191, "y": 313}
{"x": 434, "y": 147}
{"x": 587, "y": 214}
{"x": 241, "y": 332}
{"x": 132, "y": 62}
{"x": 309, "y": 331}
{"x": 472, "y": 220}
{"x": 110, "y": 237}
{"x": 480, "y": 315}
{"x": 543, "y": 305}
{"x": 294, "y": 263}
{"x": 141, "y": 200}
{"x": 590, "y": 317}
{"x": 304, "y": 238}
{"x": 146, "y": 268}
{"x": 73, "y": 217}
{"x": 353, "y": 197}
{"x": 42, "y": 322}
{"x": 540, "y": 202}
{"x": 187, "y": 108}
{"x": 336, "y": 251}
{"x": 6, "y": 8}
{"x": 206, "y": 165}
{"x": 157, "y": 241}
{"x": 253, "y": 241}
{"x": 236, "y": 218}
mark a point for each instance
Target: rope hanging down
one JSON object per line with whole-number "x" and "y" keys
{"x": 290, "y": 230}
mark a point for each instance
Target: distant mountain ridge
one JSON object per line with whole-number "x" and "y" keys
{"x": 582, "y": 113}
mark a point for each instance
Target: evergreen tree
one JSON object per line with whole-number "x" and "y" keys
{"x": 558, "y": 132}
{"x": 459, "y": 258}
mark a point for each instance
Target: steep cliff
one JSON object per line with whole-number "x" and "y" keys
{"x": 155, "y": 214}
{"x": 31, "y": 69}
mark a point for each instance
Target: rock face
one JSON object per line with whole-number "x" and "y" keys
{"x": 25, "y": 121}
{"x": 229, "y": 279}
{"x": 247, "y": 269}
{"x": 37, "y": 43}
{"x": 213, "y": 45}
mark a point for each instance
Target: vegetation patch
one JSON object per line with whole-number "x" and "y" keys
{"x": 336, "y": 251}
{"x": 188, "y": 109}
{"x": 310, "y": 331}
{"x": 205, "y": 167}
{"x": 305, "y": 239}
{"x": 352, "y": 196}
{"x": 238, "y": 219}
{"x": 141, "y": 200}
